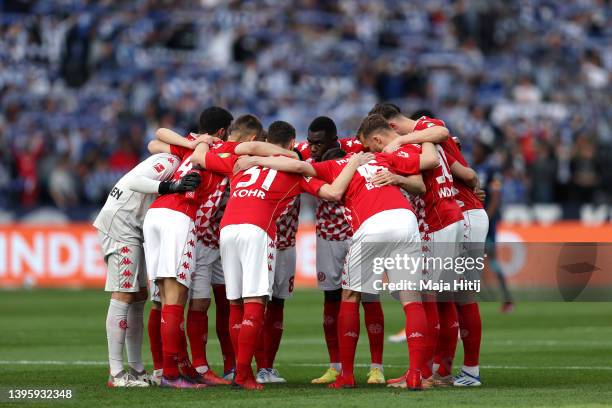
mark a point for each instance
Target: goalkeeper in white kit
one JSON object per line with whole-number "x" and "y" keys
{"x": 119, "y": 226}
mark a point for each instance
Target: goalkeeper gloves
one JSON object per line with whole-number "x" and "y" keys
{"x": 189, "y": 182}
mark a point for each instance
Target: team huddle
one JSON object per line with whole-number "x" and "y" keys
{"x": 215, "y": 214}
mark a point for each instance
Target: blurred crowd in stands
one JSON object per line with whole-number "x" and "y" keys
{"x": 84, "y": 84}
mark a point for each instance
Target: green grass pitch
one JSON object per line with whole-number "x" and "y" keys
{"x": 543, "y": 354}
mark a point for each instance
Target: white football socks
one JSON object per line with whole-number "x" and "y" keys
{"x": 116, "y": 325}
{"x": 473, "y": 371}
{"x": 133, "y": 335}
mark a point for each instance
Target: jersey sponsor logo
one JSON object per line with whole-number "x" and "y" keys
{"x": 116, "y": 193}
{"x": 159, "y": 167}
{"x": 224, "y": 155}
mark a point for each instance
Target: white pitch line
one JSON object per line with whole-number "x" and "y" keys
{"x": 486, "y": 367}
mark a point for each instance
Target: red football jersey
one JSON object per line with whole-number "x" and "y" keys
{"x": 437, "y": 208}
{"x": 259, "y": 195}
{"x": 332, "y": 218}
{"x": 364, "y": 199}
{"x": 464, "y": 195}
{"x": 189, "y": 203}
{"x": 287, "y": 225}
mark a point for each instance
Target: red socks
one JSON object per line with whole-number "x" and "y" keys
{"x": 222, "y": 326}
{"x": 447, "y": 340}
{"x": 155, "y": 340}
{"x": 470, "y": 327}
{"x": 272, "y": 332}
{"x": 416, "y": 332}
{"x": 252, "y": 322}
{"x": 197, "y": 331}
{"x": 235, "y": 322}
{"x": 433, "y": 330}
{"x": 270, "y": 337}
{"x": 375, "y": 325}
{"x": 348, "y": 335}
{"x": 172, "y": 338}
{"x": 330, "y": 328}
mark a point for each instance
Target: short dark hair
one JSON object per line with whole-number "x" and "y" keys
{"x": 373, "y": 123}
{"x": 333, "y": 153}
{"x": 214, "y": 118}
{"x": 324, "y": 124}
{"x": 420, "y": 113}
{"x": 387, "y": 110}
{"x": 248, "y": 125}
{"x": 280, "y": 133}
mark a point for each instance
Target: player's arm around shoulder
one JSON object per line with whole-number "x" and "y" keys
{"x": 335, "y": 191}
{"x": 280, "y": 163}
{"x": 412, "y": 184}
{"x": 257, "y": 148}
{"x": 465, "y": 174}
{"x": 429, "y": 158}
{"x": 199, "y": 154}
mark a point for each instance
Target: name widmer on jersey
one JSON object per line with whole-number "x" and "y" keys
{"x": 445, "y": 192}
{"x": 116, "y": 193}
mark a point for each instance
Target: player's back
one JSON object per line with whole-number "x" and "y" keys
{"x": 363, "y": 198}
{"x": 123, "y": 213}
{"x": 259, "y": 196}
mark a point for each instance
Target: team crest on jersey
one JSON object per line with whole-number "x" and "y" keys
{"x": 224, "y": 155}
{"x": 159, "y": 167}
{"x": 321, "y": 276}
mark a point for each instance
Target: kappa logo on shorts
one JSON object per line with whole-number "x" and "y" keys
{"x": 125, "y": 250}
{"x": 189, "y": 255}
{"x": 159, "y": 167}
{"x": 170, "y": 160}
{"x": 271, "y": 256}
{"x": 126, "y": 261}
{"x": 123, "y": 324}
{"x": 182, "y": 276}
{"x": 127, "y": 273}
{"x": 414, "y": 335}
{"x": 185, "y": 265}
{"x": 351, "y": 334}
{"x": 321, "y": 276}
{"x": 247, "y": 322}
{"x": 191, "y": 243}
{"x": 126, "y": 285}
